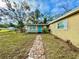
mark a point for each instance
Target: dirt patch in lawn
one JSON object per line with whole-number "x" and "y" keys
{"x": 57, "y": 49}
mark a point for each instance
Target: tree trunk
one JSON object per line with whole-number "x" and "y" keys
{"x": 22, "y": 30}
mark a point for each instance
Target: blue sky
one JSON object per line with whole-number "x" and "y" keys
{"x": 51, "y": 6}
{"x": 48, "y": 7}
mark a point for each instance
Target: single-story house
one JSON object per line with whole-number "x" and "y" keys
{"x": 35, "y": 28}
{"x": 66, "y": 27}
{"x": 32, "y": 27}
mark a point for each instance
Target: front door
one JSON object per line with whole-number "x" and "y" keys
{"x": 39, "y": 28}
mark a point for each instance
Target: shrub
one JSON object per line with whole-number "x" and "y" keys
{"x": 45, "y": 30}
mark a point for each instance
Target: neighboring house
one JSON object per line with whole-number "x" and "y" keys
{"x": 11, "y": 28}
{"x": 66, "y": 27}
{"x": 35, "y": 28}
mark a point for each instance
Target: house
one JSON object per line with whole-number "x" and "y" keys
{"x": 32, "y": 27}
{"x": 66, "y": 27}
{"x": 36, "y": 28}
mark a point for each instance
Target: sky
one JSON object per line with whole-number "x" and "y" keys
{"x": 48, "y": 6}
{"x": 53, "y": 6}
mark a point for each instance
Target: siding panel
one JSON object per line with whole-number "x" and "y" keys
{"x": 72, "y": 33}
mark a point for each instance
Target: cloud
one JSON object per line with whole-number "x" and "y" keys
{"x": 33, "y": 4}
{"x": 2, "y": 4}
{"x": 49, "y": 6}
{"x": 42, "y": 5}
{"x": 56, "y": 11}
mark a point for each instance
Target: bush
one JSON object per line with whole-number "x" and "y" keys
{"x": 45, "y": 30}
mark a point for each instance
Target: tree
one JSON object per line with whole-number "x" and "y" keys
{"x": 37, "y": 13}
{"x": 12, "y": 25}
{"x": 18, "y": 12}
{"x": 4, "y": 25}
{"x": 45, "y": 20}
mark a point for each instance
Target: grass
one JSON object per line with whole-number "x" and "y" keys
{"x": 4, "y": 30}
{"x": 56, "y": 49}
{"x": 15, "y": 45}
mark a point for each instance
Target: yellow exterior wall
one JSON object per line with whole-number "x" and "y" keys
{"x": 72, "y": 32}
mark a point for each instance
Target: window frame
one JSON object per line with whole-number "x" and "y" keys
{"x": 65, "y": 23}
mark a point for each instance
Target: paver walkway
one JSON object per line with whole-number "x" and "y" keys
{"x": 37, "y": 50}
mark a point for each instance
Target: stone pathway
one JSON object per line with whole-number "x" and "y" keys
{"x": 37, "y": 50}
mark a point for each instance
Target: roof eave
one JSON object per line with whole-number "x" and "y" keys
{"x": 67, "y": 14}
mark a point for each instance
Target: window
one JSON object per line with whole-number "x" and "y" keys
{"x": 34, "y": 27}
{"x": 62, "y": 25}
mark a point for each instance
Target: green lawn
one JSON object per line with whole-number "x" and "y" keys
{"x": 15, "y": 45}
{"x": 56, "y": 49}
{"x": 4, "y": 30}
